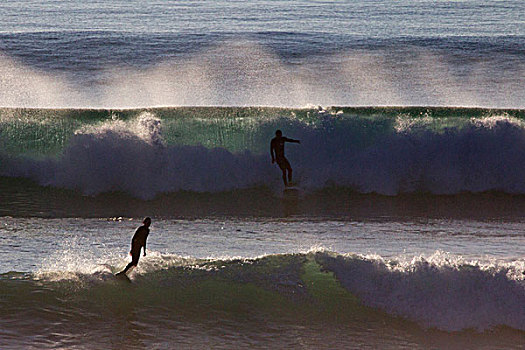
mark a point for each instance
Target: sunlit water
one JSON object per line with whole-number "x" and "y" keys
{"x": 32, "y": 245}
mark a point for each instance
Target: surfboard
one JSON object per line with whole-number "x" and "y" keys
{"x": 292, "y": 192}
{"x": 291, "y": 189}
{"x": 122, "y": 277}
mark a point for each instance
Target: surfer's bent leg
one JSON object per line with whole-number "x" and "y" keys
{"x": 289, "y": 167}
{"x": 284, "y": 177}
{"x": 135, "y": 256}
{"x": 283, "y": 164}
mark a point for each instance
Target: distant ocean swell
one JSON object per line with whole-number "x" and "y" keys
{"x": 440, "y": 292}
{"x": 380, "y": 150}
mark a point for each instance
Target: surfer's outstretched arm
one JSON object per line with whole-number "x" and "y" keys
{"x": 291, "y": 140}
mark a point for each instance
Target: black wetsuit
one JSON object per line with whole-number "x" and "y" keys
{"x": 137, "y": 242}
{"x": 277, "y": 149}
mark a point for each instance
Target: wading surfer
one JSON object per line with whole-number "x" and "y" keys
{"x": 137, "y": 242}
{"x": 277, "y": 152}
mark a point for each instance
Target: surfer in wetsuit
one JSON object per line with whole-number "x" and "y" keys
{"x": 277, "y": 152}
{"x": 137, "y": 242}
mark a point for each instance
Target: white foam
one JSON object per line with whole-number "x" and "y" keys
{"x": 449, "y": 294}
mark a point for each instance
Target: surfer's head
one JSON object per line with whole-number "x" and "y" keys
{"x": 278, "y": 133}
{"x": 147, "y": 221}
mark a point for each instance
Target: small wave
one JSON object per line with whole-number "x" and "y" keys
{"x": 436, "y": 292}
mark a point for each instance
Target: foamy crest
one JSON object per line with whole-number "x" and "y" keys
{"x": 146, "y": 126}
{"x": 73, "y": 260}
{"x": 436, "y": 293}
{"x": 484, "y": 155}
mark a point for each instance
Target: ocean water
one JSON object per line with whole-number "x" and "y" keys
{"x": 408, "y": 231}
{"x": 273, "y": 53}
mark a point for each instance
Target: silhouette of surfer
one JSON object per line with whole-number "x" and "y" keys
{"x": 277, "y": 152}
{"x": 137, "y": 242}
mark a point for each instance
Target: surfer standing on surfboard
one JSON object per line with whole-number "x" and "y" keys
{"x": 277, "y": 152}
{"x": 137, "y": 242}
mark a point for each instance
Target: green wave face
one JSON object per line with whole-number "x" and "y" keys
{"x": 280, "y": 287}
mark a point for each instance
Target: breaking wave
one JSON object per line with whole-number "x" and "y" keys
{"x": 439, "y": 292}
{"x": 370, "y": 150}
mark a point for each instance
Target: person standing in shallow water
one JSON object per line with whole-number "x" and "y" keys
{"x": 137, "y": 242}
{"x": 277, "y": 152}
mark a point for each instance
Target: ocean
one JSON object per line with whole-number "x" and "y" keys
{"x": 407, "y": 231}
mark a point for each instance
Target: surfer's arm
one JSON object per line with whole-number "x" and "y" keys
{"x": 145, "y": 239}
{"x": 272, "y": 151}
{"x": 291, "y": 140}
